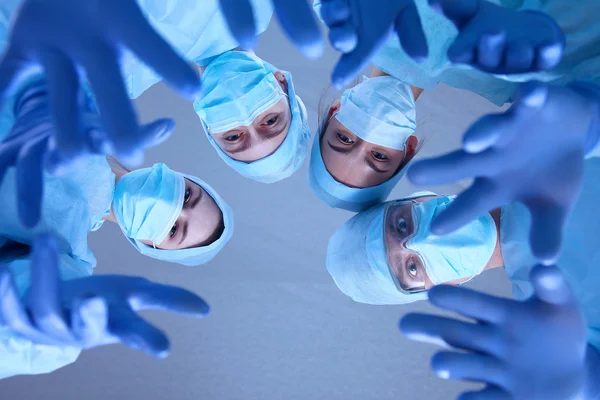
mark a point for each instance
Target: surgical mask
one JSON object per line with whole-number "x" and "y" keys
{"x": 460, "y": 254}
{"x": 380, "y": 110}
{"x": 237, "y": 87}
{"x": 148, "y": 201}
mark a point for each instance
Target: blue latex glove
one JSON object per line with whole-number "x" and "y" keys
{"x": 89, "y": 312}
{"x": 359, "y": 28}
{"x": 33, "y": 139}
{"x": 295, "y": 17}
{"x": 533, "y": 153}
{"x": 73, "y": 39}
{"x": 501, "y": 40}
{"x": 521, "y": 350}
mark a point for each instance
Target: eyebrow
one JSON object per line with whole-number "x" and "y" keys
{"x": 374, "y": 167}
{"x": 340, "y": 149}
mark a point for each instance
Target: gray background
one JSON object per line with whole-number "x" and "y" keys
{"x": 279, "y": 327}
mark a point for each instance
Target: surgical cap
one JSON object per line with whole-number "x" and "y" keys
{"x": 290, "y": 155}
{"x": 358, "y": 264}
{"x": 196, "y": 255}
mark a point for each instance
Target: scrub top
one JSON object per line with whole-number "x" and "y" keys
{"x": 197, "y": 30}
{"x": 581, "y": 61}
{"x": 580, "y": 255}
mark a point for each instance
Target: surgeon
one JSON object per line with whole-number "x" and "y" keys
{"x": 50, "y": 310}
{"x": 248, "y": 108}
{"x": 364, "y": 143}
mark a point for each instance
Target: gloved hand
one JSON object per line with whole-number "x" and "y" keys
{"x": 69, "y": 38}
{"x": 89, "y": 312}
{"x": 32, "y": 143}
{"x": 295, "y": 16}
{"x": 359, "y": 28}
{"x": 501, "y": 40}
{"x": 533, "y": 153}
{"x": 534, "y": 349}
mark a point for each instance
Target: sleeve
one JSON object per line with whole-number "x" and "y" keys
{"x": 21, "y": 356}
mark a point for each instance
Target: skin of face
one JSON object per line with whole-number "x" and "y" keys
{"x": 405, "y": 264}
{"x": 199, "y": 218}
{"x": 264, "y": 136}
{"x": 355, "y": 162}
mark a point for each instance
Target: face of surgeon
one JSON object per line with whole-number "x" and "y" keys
{"x": 356, "y": 163}
{"x": 197, "y": 223}
{"x": 264, "y": 136}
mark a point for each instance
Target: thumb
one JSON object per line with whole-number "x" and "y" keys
{"x": 545, "y": 236}
{"x": 550, "y": 285}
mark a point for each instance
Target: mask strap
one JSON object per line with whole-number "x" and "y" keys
{"x": 153, "y": 245}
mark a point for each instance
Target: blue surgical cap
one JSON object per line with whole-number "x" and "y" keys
{"x": 357, "y": 261}
{"x": 196, "y": 255}
{"x": 290, "y": 155}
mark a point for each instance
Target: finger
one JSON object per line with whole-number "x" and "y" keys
{"x": 89, "y": 320}
{"x": 550, "y": 285}
{"x": 410, "y": 32}
{"x": 10, "y": 68}
{"x": 240, "y": 19}
{"x": 44, "y": 300}
{"x": 136, "y": 333}
{"x": 545, "y": 234}
{"x": 63, "y": 87}
{"x": 343, "y": 38}
{"x": 12, "y": 313}
{"x": 30, "y": 181}
{"x": 450, "y": 332}
{"x": 469, "y": 303}
{"x": 548, "y": 56}
{"x": 519, "y": 57}
{"x": 136, "y": 33}
{"x": 451, "y": 167}
{"x": 530, "y": 97}
{"x": 168, "y": 298}
{"x": 489, "y": 393}
{"x": 335, "y": 12}
{"x": 298, "y": 22}
{"x": 469, "y": 367}
{"x": 157, "y": 132}
{"x": 8, "y": 158}
{"x": 490, "y": 52}
{"x": 458, "y": 12}
{"x": 482, "y": 197}
{"x": 118, "y": 116}
{"x": 488, "y": 131}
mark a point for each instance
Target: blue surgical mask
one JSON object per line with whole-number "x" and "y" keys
{"x": 380, "y": 110}
{"x": 148, "y": 201}
{"x": 236, "y": 87}
{"x": 457, "y": 255}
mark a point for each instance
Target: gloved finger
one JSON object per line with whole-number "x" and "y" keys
{"x": 490, "y": 130}
{"x": 548, "y": 55}
{"x": 410, "y": 32}
{"x": 343, "y": 37}
{"x": 298, "y": 22}
{"x": 44, "y": 295}
{"x": 489, "y": 393}
{"x": 10, "y": 68}
{"x": 157, "y": 132}
{"x": 482, "y": 197}
{"x": 519, "y": 57}
{"x": 452, "y": 167}
{"x": 118, "y": 116}
{"x": 447, "y": 332}
{"x": 459, "y": 12}
{"x": 550, "y": 285}
{"x": 168, "y": 298}
{"x": 63, "y": 87}
{"x": 530, "y": 97}
{"x": 336, "y": 12}
{"x": 57, "y": 164}
{"x": 12, "y": 313}
{"x": 469, "y": 367}
{"x": 350, "y": 65}
{"x": 545, "y": 234}
{"x": 30, "y": 181}
{"x": 240, "y": 19}
{"x": 8, "y": 157}
{"x": 136, "y": 333}
{"x": 490, "y": 51}
{"x": 469, "y": 303}
{"x": 135, "y": 32}
{"x": 89, "y": 321}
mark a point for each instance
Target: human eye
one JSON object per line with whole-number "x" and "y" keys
{"x": 271, "y": 121}
{"x": 343, "y": 138}
{"x": 379, "y": 156}
{"x": 412, "y": 269}
{"x": 402, "y": 226}
{"x": 173, "y": 231}
{"x": 188, "y": 195}
{"x": 233, "y": 138}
